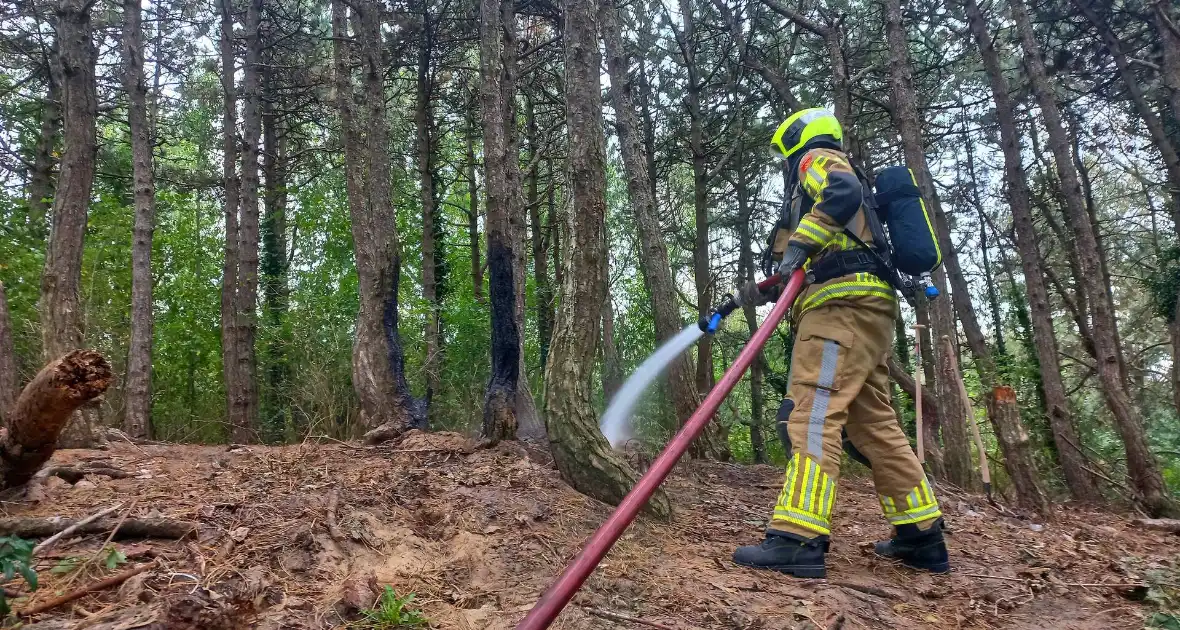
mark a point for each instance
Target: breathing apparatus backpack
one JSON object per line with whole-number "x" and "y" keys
{"x": 905, "y": 247}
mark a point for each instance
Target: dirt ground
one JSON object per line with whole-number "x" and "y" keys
{"x": 299, "y": 536}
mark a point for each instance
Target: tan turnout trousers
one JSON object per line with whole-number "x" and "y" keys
{"x": 839, "y": 379}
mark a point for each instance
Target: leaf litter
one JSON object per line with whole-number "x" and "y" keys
{"x": 307, "y": 537}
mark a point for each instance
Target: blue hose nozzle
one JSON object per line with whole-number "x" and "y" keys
{"x": 931, "y": 292}
{"x": 714, "y": 322}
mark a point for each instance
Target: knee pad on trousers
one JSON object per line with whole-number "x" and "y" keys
{"x": 780, "y": 424}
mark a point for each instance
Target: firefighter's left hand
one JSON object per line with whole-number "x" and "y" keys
{"x": 794, "y": 258}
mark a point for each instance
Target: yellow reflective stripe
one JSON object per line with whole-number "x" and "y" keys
{"x": 849, "y": 289}
{"x": 808, "y": 233}
{"x": 933, "y": 234}
{"x": 915, "y": 516}
{"x": 803, "y": 520}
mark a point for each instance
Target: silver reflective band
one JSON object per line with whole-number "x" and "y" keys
{"x": 823, "y": 395}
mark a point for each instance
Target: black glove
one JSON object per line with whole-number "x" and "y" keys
{"x": 749, "y": 293}
{"x": 794, "y": 258}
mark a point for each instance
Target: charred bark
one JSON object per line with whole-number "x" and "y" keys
{"x": 1141, "y": 465}
{"x": 582, "y": 455}
{"x": 60, "y": 309}
{"x": 377, "y": 358}
{"x": 497, "y": 33}
{"x": 138, "y": 384}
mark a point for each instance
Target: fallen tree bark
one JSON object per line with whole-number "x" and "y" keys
{"x": 1161, "y": 524}
{"x": 30, "y": 527}
{"x": 43, "y": 409}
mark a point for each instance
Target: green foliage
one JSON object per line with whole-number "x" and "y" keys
{"x": 16, "y": 558}
{"x": 112, "y": 558}
{"x": 392, "y": 612}
{"x": 1164, "y": 283}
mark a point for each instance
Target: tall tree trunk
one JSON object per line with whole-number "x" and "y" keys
{"x": 473, "y": 206}
{"x": 497, "y": 61}
{"x": 653, "y": 252}
{"x": 612, "y": 371}
{"x": 905, "y": 114}
{"x": 582, "y": 455}
{"x": 230, "y": 182}
{"x": 274, "y": 266}
{"x": 243, "y": 391}
{"x": 1080, "y": 482}
{"x": 746, "y": 270}
{"x": 9, "y": 377}
{"x": 424, "y": 141}
{"x": 138, "y": 384}
{"x": 1013, "y": 439}
{"x": 61, "y": 323}
{"x": 377, "y": 361}
{"x": 41, "y": 184}
{"x": 539, "y": 234}
{"x": 1144, "y": 471}
{"x": 710, "y": 444}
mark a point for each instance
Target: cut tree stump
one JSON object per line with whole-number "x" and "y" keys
{"x": 30, "y": 527}
{"x": 43, "y": 409}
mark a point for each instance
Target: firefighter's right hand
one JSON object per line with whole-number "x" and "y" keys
{"x": 749, "y": 293}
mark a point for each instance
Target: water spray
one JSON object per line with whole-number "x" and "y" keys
{"x": 562, "y": 591}
{"x": 616, "y": 420}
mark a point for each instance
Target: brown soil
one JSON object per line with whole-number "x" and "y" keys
{"x": 477, "y": 534}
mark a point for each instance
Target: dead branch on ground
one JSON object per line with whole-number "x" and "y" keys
{"x": 32, "y": 527}
{"x": 614, "y": 616}
{"x": 105, "y": 583}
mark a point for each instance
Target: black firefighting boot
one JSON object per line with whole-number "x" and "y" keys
{"x": 917, "y": 549}
{"x": 786, "y": 553}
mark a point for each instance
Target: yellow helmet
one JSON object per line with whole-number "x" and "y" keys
{"x": 803, "y": 127}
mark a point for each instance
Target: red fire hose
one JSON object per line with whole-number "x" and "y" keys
{"x": 559, "y": 594}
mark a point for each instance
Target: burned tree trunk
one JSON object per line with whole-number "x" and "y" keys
{"x": 653, "y": 252}
{"x": 1080, "y": 482}
{"x": 138, "y": 385}
{"x": 582, "y": 455}
{"x": 43, "y": 409}
{"x": 905, "y": 114}
{"x": 378, "y": 369}
{"x": 497, "y": 65}
{"x": 1141, "y": 465}
{"x": 59, "y": 305}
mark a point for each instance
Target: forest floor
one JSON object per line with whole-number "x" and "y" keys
{"x": 299, "y": 536}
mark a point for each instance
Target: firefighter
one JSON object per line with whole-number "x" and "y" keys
{"x": 838, "y": 382}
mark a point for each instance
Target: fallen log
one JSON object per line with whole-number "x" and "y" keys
{"x": 43, "y": 409}
{"x": 31, "y": 527}
{"x": 1171, "y": 525}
